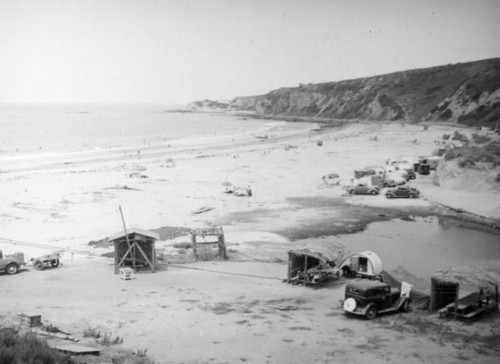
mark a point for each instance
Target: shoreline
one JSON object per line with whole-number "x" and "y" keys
{"x": 69, "y": 205}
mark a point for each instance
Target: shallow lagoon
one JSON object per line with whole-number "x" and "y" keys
{"x": 424, "y": 245}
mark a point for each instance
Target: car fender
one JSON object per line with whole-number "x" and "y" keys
{"x": 366, "y": 308}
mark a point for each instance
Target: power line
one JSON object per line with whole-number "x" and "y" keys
{"x": 43, "y": 246}
{"x": 228, "y": 273}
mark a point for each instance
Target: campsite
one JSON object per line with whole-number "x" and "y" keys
{"x": 254, "y": 182}
{"x": 224, "y": 309}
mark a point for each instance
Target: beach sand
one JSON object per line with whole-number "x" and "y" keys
{"x": 201, "y": 316}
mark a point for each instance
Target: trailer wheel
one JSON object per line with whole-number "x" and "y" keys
{"x": 12, "y": 268}
{"x": 371, "y": 313}
{"x": 38, "y": 264}
{"x": 54, "y": 263}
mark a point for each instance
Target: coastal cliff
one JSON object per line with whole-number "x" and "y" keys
{"x": 464, "y": 93}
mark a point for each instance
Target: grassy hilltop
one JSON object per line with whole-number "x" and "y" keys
{"x": 464, "y": 93}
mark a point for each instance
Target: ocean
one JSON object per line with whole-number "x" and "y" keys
{"x": 27, "y": 129}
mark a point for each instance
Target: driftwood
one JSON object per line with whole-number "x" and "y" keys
{"x": 58, "y": 335}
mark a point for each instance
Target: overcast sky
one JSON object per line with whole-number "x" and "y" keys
{"x": 175, "y": 51}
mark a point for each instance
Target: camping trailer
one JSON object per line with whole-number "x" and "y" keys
{"x": 364, "y": 264}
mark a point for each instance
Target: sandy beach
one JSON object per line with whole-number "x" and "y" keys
{"x": 237, "y": 310}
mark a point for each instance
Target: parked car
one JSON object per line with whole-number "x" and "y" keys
{"x": 402, "y": 192}
{"x": 363, "y": 189}
{"x": 422, "y": 168}
{"x": 11, "y": 264}
{"x": 369, "y": 298}
{"x": 410, "y": 174}
{"x": 393, "y": 179}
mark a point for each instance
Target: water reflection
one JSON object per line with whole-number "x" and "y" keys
{"x": 420, "y": 246}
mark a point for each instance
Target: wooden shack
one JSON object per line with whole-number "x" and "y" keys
{"x": 208, "y": 243}
{"x": 135, "y": 249}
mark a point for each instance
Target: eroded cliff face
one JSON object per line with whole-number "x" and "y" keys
{"x": 472, "y": 167}
{"x": 467, "y": 93}
{"x": 456, "y": 175}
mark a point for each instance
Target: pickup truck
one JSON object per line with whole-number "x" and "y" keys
{"x": 12, "y": 263}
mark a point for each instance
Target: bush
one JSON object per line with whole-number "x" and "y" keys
{"x": 92, "y": 332}
{"x": 27, "y": 349}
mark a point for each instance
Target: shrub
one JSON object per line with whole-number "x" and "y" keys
{"x": 107, "y": 339}
{"x": 27, "y": 349}
{"x": 92, "y": 332}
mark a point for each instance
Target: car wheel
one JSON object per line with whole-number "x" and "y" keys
{"x": 12, "y": 268}
{"x": 54, "y": 263}
{"x": 371, "y": 313}
{"x": 406, "y": 306}
{"x": 411, "y": 195}
{"x": 374, "y": 192}
{"x": 352, "y": 192}
{"x": 388, "y": 196}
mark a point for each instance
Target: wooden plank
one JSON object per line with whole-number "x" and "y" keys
{"x": 75, "y": 349}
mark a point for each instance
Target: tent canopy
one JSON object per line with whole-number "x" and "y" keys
{"x": 420, "y": 299}
{"x": 307, "y": 266}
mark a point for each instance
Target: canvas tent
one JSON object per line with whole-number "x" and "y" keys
{"x": 366, "y": 263}
{"x": 135, "y": 249}
{"x": 420, "y": 299}
{"x": 309, "y": 267}
{"x": 359, "y": 173}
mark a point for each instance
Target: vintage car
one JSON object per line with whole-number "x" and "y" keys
{"x": 393, "y": 180}
{"x": 11, "y": 264}
{"x": 363, "y": 189}
{"x": 410, "y": 174}
{"x": 369, "y": 298}
{"x": 402, "y": 191}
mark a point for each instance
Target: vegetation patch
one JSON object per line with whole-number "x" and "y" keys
{"x": 27, "y": 348}
{"x": 488, "y": 153}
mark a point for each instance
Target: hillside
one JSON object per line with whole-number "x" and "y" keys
{"x": 464, "y": 93}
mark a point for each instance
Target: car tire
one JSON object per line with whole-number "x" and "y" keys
{"x": 388, "y": 196}
{"x": 12, "y": 268}
{"x": 411, "y": 195}
{"x": 406, "y": 306}
{"x": 374, "y": 192}
{"x": 352, "y": 192}
{"x": 54, "y": 263}
{"x": 371, "y": 313}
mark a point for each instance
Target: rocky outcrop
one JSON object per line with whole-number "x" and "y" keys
{"x": 467, "y": 93}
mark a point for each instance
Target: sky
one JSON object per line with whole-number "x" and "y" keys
{"x": 178, "y": 51}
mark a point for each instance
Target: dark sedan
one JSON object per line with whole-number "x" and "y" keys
{"x": 402, "y": 192}
{"x": 363, "y": 189}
